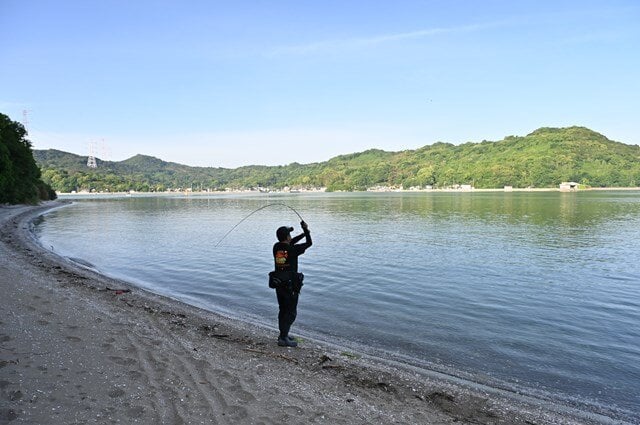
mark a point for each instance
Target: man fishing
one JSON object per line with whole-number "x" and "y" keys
{"x": 286, "y": 279}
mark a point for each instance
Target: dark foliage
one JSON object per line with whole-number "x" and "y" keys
{"x": 19, "y": 175}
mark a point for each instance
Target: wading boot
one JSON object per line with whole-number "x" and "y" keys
{"x": 286, "y": 342}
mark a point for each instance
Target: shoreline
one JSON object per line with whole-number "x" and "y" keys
{"x": 302, "y": 192}
{"x": 77, "y": 347}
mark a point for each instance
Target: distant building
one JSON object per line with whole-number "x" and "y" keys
{"x": 568, "y": 186}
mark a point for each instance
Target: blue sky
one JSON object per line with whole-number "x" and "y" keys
{"x": 231, "y": 83}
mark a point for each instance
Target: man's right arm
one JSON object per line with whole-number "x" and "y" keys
{"x": 307, "y": 236}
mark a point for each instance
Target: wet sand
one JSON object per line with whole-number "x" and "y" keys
{"x": 77, "y": 347}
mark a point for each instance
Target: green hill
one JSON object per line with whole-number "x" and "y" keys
{"x": 543, "y": 158}
{"x": 19, "y": 175}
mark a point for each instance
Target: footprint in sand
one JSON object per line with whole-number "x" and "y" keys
{"x": 122, "y": 360}
{"x": 8, "y": 415}
{"x": 73, "y": 338}
{"x": 116, "y": 392}
{"x": 134, "y": 374}
{"x": 108, "y": 344}
{"x": 15, "y": 395}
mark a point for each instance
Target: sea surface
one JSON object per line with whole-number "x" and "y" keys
{"x": 532, "y": 292}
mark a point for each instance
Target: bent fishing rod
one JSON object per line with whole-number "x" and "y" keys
{"x": 255, "y": 211}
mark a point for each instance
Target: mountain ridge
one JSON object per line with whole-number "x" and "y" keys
{"x": 542, "y": 158}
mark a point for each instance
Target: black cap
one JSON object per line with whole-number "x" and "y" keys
{"x": 283, "y": 232}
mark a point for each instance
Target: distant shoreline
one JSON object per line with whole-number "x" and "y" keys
{"x": 203, "y": 193}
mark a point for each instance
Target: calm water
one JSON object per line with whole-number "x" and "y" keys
{"x": 537, "y": 292}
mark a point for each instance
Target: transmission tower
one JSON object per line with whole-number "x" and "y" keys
{"x": 25, "y": 119}
{"x": 91, "y": 161}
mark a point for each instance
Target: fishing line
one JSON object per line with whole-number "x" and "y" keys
{"x": 255, "y": 211}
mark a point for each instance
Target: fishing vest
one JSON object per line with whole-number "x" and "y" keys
{"x": 285, "y": 271}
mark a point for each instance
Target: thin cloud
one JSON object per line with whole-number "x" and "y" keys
{"x": 375, "y": 40}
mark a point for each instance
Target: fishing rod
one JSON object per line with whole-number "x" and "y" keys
{"x": 255, "y": 211}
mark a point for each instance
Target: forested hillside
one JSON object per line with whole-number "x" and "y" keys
{"x": 541, "y": 159}
{"x": 19, "y": 175}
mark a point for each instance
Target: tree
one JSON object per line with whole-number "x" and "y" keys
{"x": 19, "y": 175}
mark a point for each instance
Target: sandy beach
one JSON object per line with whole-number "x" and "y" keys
{"x": 77, "y": 347}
